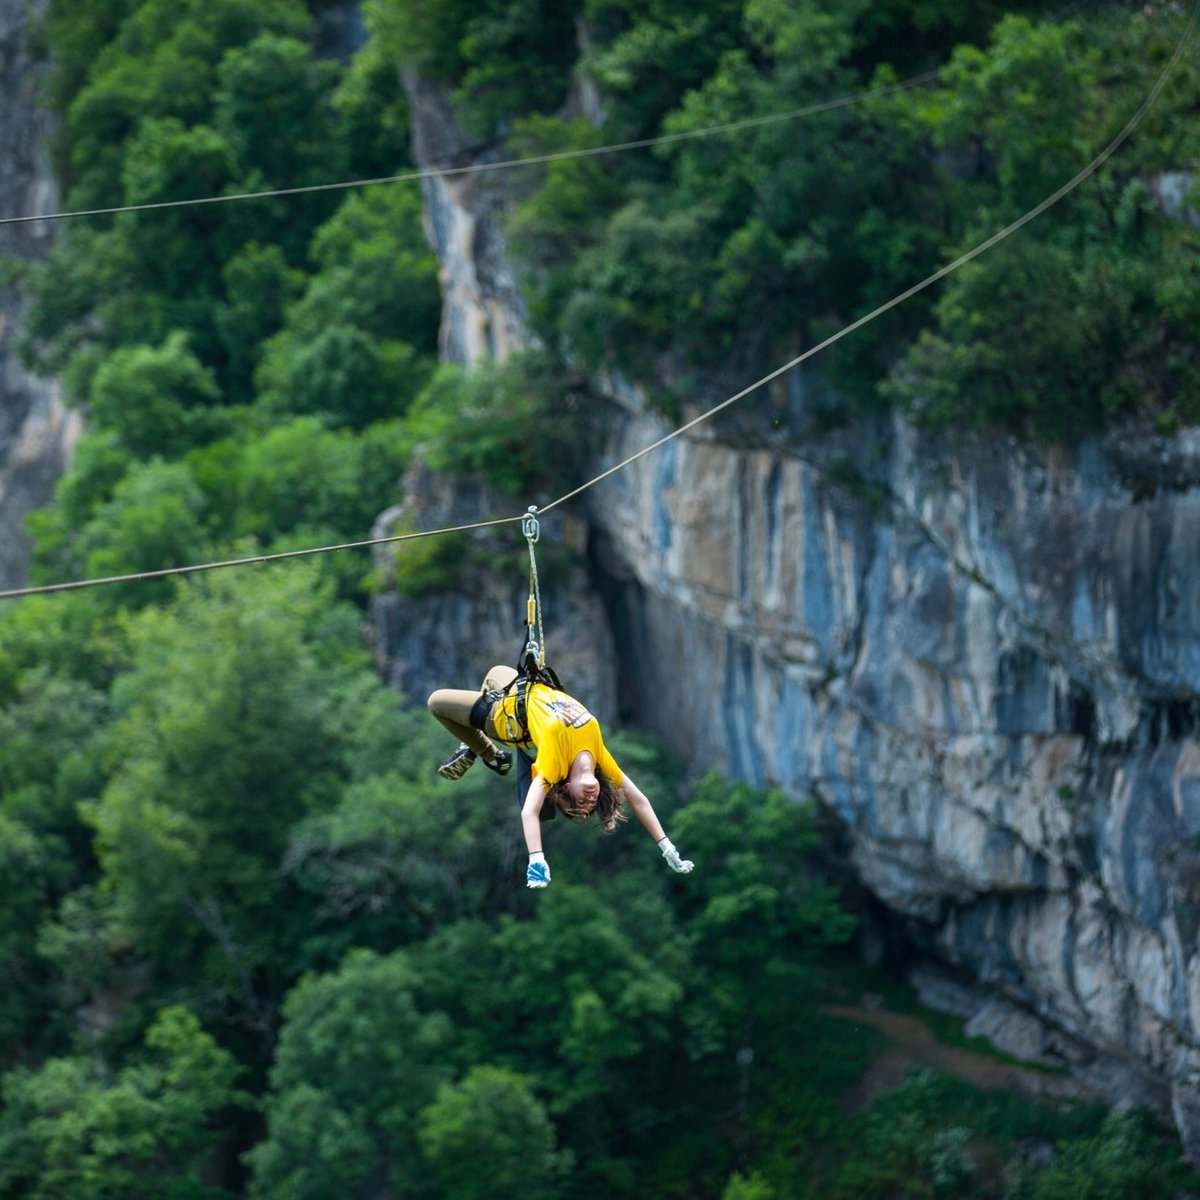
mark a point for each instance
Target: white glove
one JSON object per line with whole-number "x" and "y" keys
{"x": 681, "y": 865}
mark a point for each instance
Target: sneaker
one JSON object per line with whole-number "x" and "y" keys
{"x": 501, "y": 763}
{"x": 456, "y": 766}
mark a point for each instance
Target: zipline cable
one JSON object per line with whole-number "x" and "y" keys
{"x": 77, "y": 584}
{"x": 929, "y": 281}
{"x": 508, "y": 164}
{"x": 1051, "y": 200}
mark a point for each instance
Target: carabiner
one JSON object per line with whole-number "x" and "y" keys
{"x": 529, "y": 525}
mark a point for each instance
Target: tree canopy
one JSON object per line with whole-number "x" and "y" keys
{"x": 252, "y": 946}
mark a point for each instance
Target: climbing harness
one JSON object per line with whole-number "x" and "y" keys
{"x": 531, "y": 660}
{"x": 512, "y": 728}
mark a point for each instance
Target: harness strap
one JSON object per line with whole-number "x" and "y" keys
{"x": 521, "y": 684}
{"x": 515, "y": 729}
{"x": 518, "y": 725}
{"x": 531, "y": 669}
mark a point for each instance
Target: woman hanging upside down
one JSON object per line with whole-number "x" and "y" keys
{"x": 573, "y": 770}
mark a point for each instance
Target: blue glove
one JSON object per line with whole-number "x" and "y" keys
{"x": 537, "y": 874}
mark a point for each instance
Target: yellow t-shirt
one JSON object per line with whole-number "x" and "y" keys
{"x": 560, "y": 727}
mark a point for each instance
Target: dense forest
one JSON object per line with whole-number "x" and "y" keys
{"x": 251, "y": 945}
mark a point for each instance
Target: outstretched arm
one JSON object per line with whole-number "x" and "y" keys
{"x": 537, "y": 873}
{"x": 531, "y": 814}
{"x": 645, "y": 813}
{"x": 643, "y": 809}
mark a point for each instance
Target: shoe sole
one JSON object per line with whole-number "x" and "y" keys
{"x": 456, "y": 768}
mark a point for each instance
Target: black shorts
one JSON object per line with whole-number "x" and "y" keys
{"x": 481, "y": 709}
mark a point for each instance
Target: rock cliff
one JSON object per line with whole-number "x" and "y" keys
{"x": 419, "y": 647}
{"x": 37, "y": 433}
{"x": 984, "y": 660}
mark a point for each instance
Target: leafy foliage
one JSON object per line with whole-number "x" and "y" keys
{"x": 505, "y": 55}
{"x": 226, "y": 860}
{"x": 222, "y": 741}
{"x": 691, "y": 268}
{"x": 154, "y": 398}
{"x": 517, "y": 424}
{"x": 76, "y": 1130}
{"x": 488, "y": 1134}
{"x": 356, "y": 1064}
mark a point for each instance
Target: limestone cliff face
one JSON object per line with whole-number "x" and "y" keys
{"x": 483, "y": 317}
{"x": 988, "y": 676}
{"x": 36, "y": 432}
{"x": 984, "y": 660}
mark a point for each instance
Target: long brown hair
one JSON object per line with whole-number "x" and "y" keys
{"x": 609, "y": 807}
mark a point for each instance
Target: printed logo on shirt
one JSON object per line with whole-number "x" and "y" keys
{"x": 570, "y": 712}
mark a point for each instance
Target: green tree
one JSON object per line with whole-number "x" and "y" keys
{"x": 1009, "y": 101}
{"x": 655, "y": 261}
{"x": 357, "y": 346}
{"x": 51, "y": 735}
{"x": 1013, "y": 343}
{"x": 1014, "y": 348}
{"x": 99, "y": 464}
{"x": 559, "y": 211}
{"x": 518, "y": 56}
{"x": 651, "y": 52}
{"x": 507, "y": 56}
{"x": 161, "y": 63}
{"x": 488, "y": 1135}
{"x": 345, "y": 376}
{"x": 372, "y": 113}
{"x": 759, "y": 905}
{"x": 154, "y": 520}
{"x": 358, "y": 1061}
{"x": 521, "y": 424}
{"x": 31, "y": 868}
{"x": 70, "y": 635}
{"x": 425, "y": 33}
{"x": 75, "y": 1130}
{"x": 399, "y": 860}
{"x": 167, "y": 160}
{"x": 157, "y": 400}
{"x": 258, "y": 286}
{"x": 601, "y": 996}
{"x": 299, "y": 475}
{"x": 224, "y": 737}
{"x": 273, "y": 85}
{"x": 376, "y": 268}
{"x": 748, "y": 1187}
{"x": 1123, "y": 1161}
{"x": 78, "y": 32}
{"x": 94, "y": 986}
{"x": 727, "y": 245}
{"x": 184, "y": 101}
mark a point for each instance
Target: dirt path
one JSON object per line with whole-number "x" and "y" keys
{"x": 914, "y": 1045}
